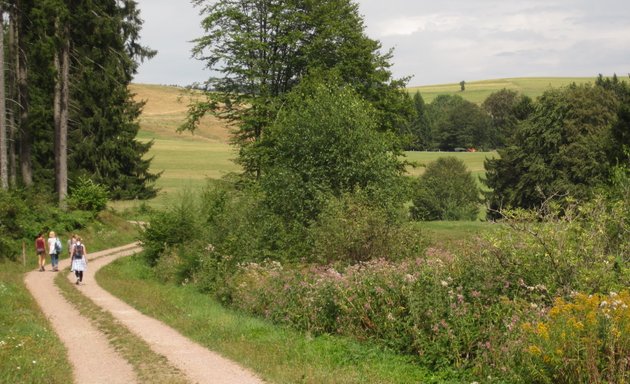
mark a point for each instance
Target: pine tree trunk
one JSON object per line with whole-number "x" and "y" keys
{"x": 62, "y": 64}
{"x": 12, "y": 110}
{"x": 4, "y": 160}
{"x": 23, "y": 100}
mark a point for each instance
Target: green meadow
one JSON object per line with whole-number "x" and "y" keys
{"x": 478, "y": 91}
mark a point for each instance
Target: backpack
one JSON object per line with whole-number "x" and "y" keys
{"x": 78, "y": 250}
{"x": 57, "y": 246}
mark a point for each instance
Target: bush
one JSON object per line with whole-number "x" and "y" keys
{"x": 446, "y": 191}
{"x": 24, "y": 214}
{"x": 87, "y": 195}
{"x": 584, "y": 340}
{"x": 351, "y": 230}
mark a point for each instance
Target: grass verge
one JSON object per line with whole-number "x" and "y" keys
{"x": 277, "y": 354}
{"x": 148, "y": 365}
{"x": 30, "y": 352}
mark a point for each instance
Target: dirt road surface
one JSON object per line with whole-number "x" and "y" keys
{"x": 93, "y": 358}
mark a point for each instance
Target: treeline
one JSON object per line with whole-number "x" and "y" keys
{"x": 65, "y": 109}
{"x": 451, "y": 123}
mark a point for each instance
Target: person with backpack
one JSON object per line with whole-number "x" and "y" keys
{"x": 79, "y": 259}
{"x": 40, "y": 248}
{"x": 54, "y": 249}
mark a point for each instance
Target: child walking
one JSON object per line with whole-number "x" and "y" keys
{"x": 79, "y": 259}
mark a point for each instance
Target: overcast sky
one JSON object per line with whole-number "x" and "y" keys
{"x": 438, "y": 42}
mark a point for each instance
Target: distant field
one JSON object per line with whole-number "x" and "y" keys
{"x": 478, "y": 91}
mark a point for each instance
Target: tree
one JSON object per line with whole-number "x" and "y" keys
{"x": 261, "y": 49}
{"x": 446, "y": 191}
{"x": 456, "y": 122}
{"x": 620, "y": 147}
{"x": 324, "y": 144}
{"x": 420, "y": 127}
{"x": 506, "y": 108}
{"x": 462, "y": 85}
{"x": 560, "y": 150}
{"x": 4, "y": 159}
{"x": 103, "y": 138}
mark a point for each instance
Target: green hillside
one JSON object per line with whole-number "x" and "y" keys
{"x": 478, "y": 91}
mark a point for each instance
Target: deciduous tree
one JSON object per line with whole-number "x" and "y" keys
{"x": 260, "y": 49}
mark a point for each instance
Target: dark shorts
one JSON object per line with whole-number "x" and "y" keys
{"x": 40, "y": 251}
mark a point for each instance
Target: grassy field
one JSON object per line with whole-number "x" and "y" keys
{"x": 478, "y": 91}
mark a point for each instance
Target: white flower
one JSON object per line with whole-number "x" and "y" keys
{"x": 444, "y": 283}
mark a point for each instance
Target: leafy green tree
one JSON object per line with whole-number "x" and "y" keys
{"x": 506, "y": 109}
{"x": 620, "y": 148}
{"x": 325, "y": 143}
{"x": 456, "y": 122}
{"x": 560, "y": 150}
{"x": 446, "y": 191}
{"x": 261, "y": 49}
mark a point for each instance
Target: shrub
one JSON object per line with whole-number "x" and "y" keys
{"x": 351, "y": 230}
{"x": 583, "y": 340}
{"x": 88, "y": 196}
{"x": 446, "y": 191}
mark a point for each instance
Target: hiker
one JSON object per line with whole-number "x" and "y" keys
{"x": 54, "y": 249}
{"x": 71, "y": 241}
{"x": 79, "y": 259}
{"x": 40, "y": 248}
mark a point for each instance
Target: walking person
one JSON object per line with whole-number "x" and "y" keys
{"x": 71, "y": 241}
{"x": 79, "y": 259}
{"x": 40, "y": 248}
{"x": 54, "y": 249}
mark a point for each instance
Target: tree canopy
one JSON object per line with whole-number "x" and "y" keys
{"x": 101, "y": 38}
{"x": 323, "y": 144}
{"x": 560, "y": 150}
{"x": 261, "y": 49}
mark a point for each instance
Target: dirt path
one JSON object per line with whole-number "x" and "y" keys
{"x": 94, "y": 359}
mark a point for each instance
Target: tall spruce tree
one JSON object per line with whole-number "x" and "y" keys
{"x": 71, "y": 62}
{"x": 104, "y": 36}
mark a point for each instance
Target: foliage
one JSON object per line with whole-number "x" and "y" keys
{"x": 457, "y": 123}
{"x": 577, "y": 248}
{"x": 178, "y": 225}
{"x": 583, "y": 340}
{"x": 24, "y": 214}
{"x": 261, "y": 49}
{"x": 87, "y": 195}
{"x": 323, "y": 144}
{"x": 351, "y": 230}
{"x": 103, "y": 117}
{"x": 561, "y": 150}
{"x": 506, "y": 108}
{"x": 446, "y": 191}
{"x": 419, "y": 128}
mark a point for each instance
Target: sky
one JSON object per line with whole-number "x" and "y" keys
{"x": 437, "y": 42}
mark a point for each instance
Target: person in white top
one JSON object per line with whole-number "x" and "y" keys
{"x": 53, "y": 251}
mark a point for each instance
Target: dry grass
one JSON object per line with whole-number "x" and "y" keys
{"x": 165, "y": 110}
